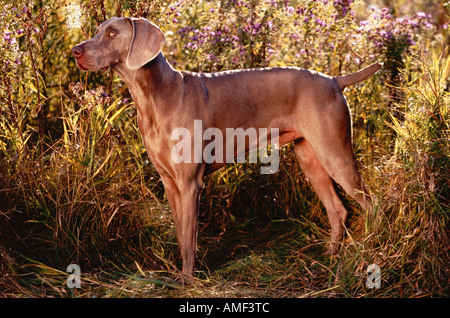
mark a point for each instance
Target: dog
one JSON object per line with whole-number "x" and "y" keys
{"x": 302, "y": 106}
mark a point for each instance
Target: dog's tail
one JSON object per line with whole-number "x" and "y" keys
{"x": 351, "y": 79}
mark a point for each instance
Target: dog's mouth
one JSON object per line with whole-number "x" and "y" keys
{"x": 81, "y": 67}
{"x": 84, "y": 68}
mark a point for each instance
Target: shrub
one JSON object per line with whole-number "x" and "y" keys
{"x": 77, "y": 186}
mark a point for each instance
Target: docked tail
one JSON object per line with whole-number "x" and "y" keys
{"x": 348, "y": 80}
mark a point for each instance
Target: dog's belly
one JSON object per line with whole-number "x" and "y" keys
{"x": 288, "y": 136}
{"x": 285, "y": 137}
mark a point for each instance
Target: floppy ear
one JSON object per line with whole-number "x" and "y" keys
{"x": 146, "y": 43}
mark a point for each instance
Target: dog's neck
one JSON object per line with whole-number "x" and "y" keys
{"x": 150, "y": 80}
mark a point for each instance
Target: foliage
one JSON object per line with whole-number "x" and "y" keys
{"x": 76, "y": 185}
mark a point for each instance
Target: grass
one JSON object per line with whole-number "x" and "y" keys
{"x": 90, "y": 196}
{"x": 96, "y": 202}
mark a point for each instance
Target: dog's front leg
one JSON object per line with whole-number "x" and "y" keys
{"x": 183, "y": 197}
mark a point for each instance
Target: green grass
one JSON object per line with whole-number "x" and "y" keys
{"x": 86, "y": 193}
{"x": 96, "y": 202}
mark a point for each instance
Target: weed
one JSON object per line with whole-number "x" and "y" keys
{"x": 76, "y": 186}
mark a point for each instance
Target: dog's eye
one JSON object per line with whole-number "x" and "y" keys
{"x": 111, "y": 34}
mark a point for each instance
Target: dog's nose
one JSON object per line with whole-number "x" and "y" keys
{"x": 77, "y": 51}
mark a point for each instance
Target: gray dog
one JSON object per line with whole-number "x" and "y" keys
{"x": 302, "y": 106}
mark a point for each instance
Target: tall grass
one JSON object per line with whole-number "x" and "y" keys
{"x": 85, "y": 192}
{"x": 416, "y": 179}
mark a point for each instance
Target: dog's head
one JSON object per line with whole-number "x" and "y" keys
{"x": 128, "y": 41}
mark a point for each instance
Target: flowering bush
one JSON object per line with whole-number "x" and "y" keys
{"x": 9, "y": 44}
{"x": 323, "y": 34}
{"x": 394, "y": 38}
{"x": 76, "y": 184}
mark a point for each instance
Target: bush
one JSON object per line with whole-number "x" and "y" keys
{"x": 76, "y": 185}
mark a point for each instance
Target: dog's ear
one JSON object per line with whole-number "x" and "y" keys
{"x": 146, "y": 43}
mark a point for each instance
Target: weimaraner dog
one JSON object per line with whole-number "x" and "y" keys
{"x": 305, "y": 107}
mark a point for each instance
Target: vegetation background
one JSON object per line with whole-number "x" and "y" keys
{"x": 76, "y": 185}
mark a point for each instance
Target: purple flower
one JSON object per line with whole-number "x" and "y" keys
{"x": 320, "y": 22}
{"x": 421, "y": 14}
{"x": 192, "y": 46}
{"x": 410, "y": 41}
{"x": 413, "y": 23}
{"x": 386, "y": 34}
{"x": 428, "y": 25}
{"x": 344, "y": 11}
{"x": 7, "y": 35}
{"x": 253, "y": 28}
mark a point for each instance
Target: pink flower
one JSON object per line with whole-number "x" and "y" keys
{"x": 290, "y": 9}
{"x": 421, "y": 14}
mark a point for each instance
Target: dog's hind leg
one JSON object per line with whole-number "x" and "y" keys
{"x": 325, "y": 189}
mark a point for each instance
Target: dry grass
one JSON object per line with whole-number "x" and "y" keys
{"x": 92, "y": 197}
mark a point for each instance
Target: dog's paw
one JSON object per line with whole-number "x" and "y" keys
{"x": 333, "y": 248}
{"x": 186, "y": 280}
